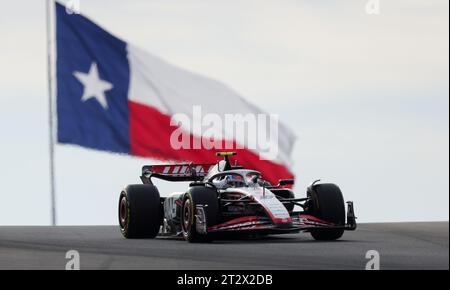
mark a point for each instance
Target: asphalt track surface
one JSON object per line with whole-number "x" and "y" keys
{"x": 400, "y": 245}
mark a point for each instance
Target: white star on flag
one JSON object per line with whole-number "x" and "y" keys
{"x": 94, "y": 87}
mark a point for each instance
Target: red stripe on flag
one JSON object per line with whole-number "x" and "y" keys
{"x": 150, "y": 133}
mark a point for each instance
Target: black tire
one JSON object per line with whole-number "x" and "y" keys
{"x": 140, "y": 213}
{"x": 327, "y": 204}
{"x": 202, "y": 196}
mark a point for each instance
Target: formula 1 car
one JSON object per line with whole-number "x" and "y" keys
{"x": 227, "y": 199}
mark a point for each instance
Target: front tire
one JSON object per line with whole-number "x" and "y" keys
{"x": 198, "y": 196}
{"x": 140, "y": 213}
{"x": 327, "y": 204}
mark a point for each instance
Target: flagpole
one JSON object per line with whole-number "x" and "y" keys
{"x": 50, "y": 113}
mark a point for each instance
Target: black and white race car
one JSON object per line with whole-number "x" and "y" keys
{"x": 225, "y": 199}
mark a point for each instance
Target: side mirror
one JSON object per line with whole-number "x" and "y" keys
{"x": 284, "y": 182}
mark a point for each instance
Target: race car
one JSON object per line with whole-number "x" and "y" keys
{"x": 224, "y": 199}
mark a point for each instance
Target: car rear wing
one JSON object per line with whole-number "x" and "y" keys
{"x": 175, "y": 172}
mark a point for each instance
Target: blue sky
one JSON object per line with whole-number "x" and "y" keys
{"x": 367, "y": 96}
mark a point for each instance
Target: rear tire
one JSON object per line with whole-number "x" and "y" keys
{"x": 327, "y": 204}
{"x": 198, "y": 196}
{"x": 140, "y": 212}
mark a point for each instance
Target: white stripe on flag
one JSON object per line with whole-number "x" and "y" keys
{"x": 172, "y": 90}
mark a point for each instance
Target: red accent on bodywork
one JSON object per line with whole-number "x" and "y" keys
{"x": 181, "y": 169}
{"x": 315, "y": 219}
{"x": 235, "y": 221}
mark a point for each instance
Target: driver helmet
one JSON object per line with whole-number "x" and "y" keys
{"x": 234, "y": 181}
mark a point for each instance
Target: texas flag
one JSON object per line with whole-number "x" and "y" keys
{"x": 116, "y": 97}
